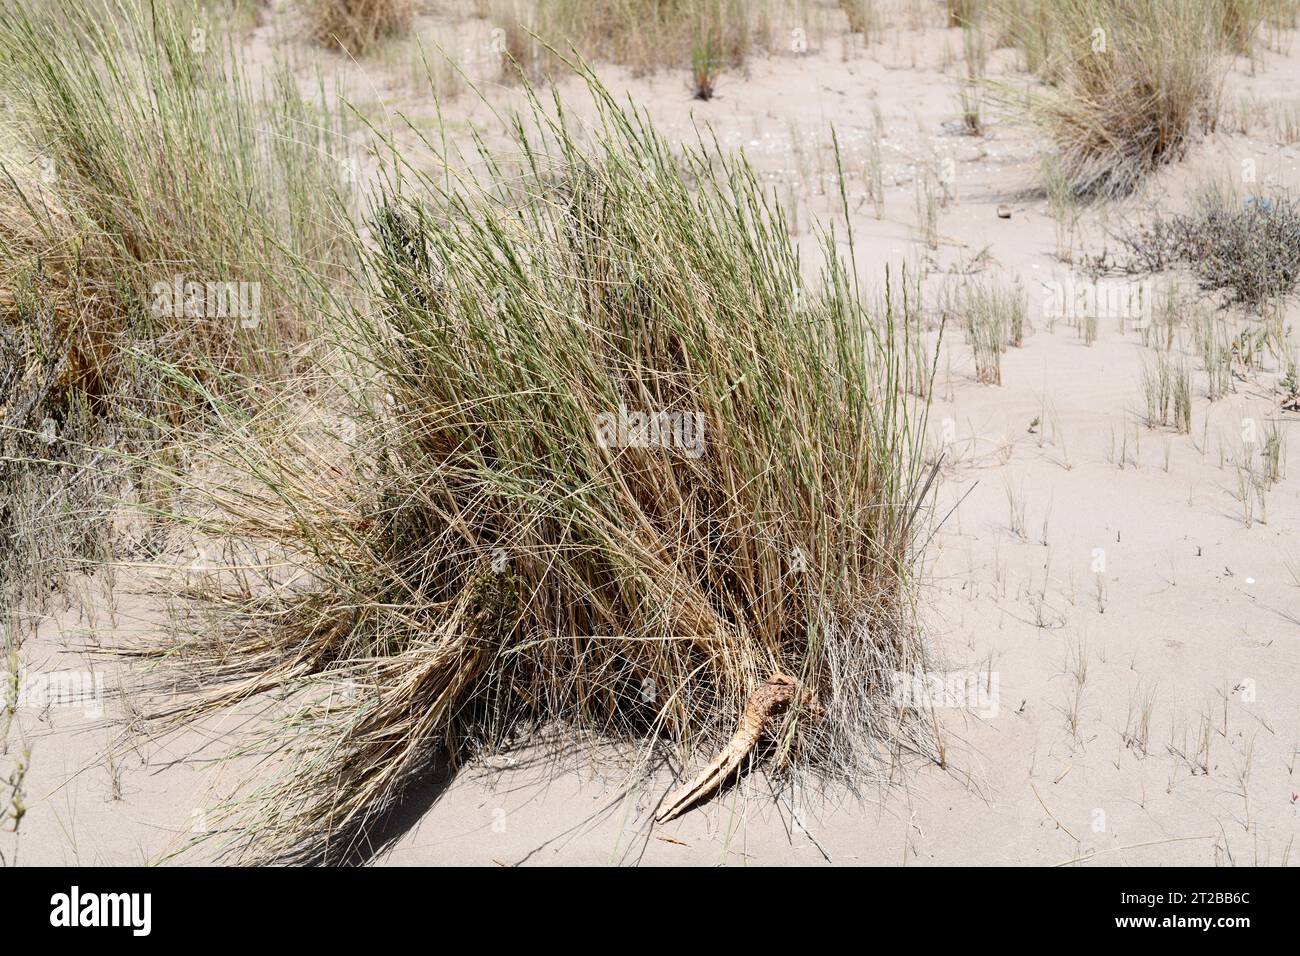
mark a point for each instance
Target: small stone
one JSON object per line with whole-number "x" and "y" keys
{"x": 1004, "y": 211}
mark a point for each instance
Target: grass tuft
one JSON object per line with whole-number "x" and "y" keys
{"x": 1127, "y": 83}
{"x": 614, "y": 464}
{"x": 358, "y": 26}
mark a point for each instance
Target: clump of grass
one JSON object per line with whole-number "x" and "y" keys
{"x": 1239, "y": 22}
{"x": 508, "y": 545}
{"x": 135, "y": 155}
{"x": 705, "y": 66}
{"x": 1128, "y": 83}
{"x": 646, "y": 35}
{"x": 1076, "y": 665}
{"x": 986, "y": 342}
{"x": 861, "y": 16}
{"x": 1167, "y": 388}
{"x": 358, "y": 26}
{"x": 971, "y": 89}
{"x": 1016, "y": 508}
{"x": 993, "y": 316}
{"x": 929, "y": 197}
{"x": 1253, "y": 484}
{"x": 1168, "y": 312}
{"x": 1137, "y": 726}
{"x": 1062, "y": 206}
{"x": 1014, "y": 306}
{"x": 156, "y": 169}
{"x": 873, "y": 174}
{"x": 1214, "y": 346}
{"x": 921, "y": 350}
{"x": 1273, "y": 452}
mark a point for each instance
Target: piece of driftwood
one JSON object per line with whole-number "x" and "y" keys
{"x": 770, "y": 700}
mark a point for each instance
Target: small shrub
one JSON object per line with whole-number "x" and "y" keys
{"x": 1249, "y": 248}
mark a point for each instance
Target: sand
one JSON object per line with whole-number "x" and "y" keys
{"x": 1093, "y": 569}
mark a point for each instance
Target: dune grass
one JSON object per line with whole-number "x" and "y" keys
{"x": 582, "y": 449}
{"x": 1167, "y": 390}
{"x": 993, "y": 316}
{"x": 609, "y": 464}
{"x": 703, "y": 37}
{"x": 1127, "y": 83}
{"x": 159, "y": 158}
{"x": 139, "y": 157}
{"x": 358, "y": 26}
{"x": 1239, "y": 22}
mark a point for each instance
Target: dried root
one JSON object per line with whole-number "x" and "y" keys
{"x": 764, "y": 705}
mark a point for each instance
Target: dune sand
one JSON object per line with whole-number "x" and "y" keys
{"x": 1122, "y": 630}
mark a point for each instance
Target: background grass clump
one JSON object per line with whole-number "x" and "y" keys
{"x": 1126, "y": 83}
{"x": 702, "y": 36}
{"x": 158, "y": 156}
{"x": 495, "y": 545}
{"x": 358, "y": 26}
{"x": 136, "y": 150}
